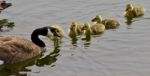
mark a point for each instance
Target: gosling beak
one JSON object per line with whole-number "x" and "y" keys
{"x": 55, "y": 31}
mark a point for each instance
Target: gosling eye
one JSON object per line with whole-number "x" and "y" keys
{"x": 57, "y": 31}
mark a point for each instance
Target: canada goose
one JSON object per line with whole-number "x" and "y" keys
{"x": 109, "y": 23}
{"x": 132, "y": 11}
{"x": 4, "y": 5}
{"x": 75, "y": 29}
{"x": 14, "y": 49}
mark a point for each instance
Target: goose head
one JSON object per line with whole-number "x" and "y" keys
{"x": 97, "y": 19}
{"x": 44, "y": 31}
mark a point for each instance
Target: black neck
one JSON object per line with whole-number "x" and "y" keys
{"x": 34, "y": 36}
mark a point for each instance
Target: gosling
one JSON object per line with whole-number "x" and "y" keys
{"x": 93, "y": 29}
{"x": 132, "y": 12}
{"x": 109, "y": 23}
{"x": 75, "y": 29}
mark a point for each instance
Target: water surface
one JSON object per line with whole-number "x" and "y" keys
{"x": 120, "y": 52}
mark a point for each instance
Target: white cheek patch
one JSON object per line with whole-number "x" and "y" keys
{"x": 49, "y": 32}
{"x": 1, "y": 62}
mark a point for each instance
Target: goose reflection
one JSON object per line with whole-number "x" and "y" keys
{"x": 52, "y": 57}
{"x": 15, "y": 69}
{"x": 20, "y": 69}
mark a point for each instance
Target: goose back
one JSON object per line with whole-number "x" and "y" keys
{"x": 14, "y": 49}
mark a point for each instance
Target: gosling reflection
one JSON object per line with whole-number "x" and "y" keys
{"x": 74, "y": 40}
{"x": 20, "y": 69}
{"x": 129, "y": 20}
{"x": 87, "y": 40}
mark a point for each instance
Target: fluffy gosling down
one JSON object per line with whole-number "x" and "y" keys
{"x": 75, "y": 29}
{"x": 109, "y": 23}
{"x": 134, "y": 11}
{"x": 93, "y": 29}
{"x": 60, "y": 30}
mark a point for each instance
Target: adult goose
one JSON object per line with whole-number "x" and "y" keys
{"x": 109, "y": 23}
{"x": 14, "y": 49}
{"x": 134, "y": 11}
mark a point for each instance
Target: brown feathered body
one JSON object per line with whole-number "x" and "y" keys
{"x": 14, "y": 49}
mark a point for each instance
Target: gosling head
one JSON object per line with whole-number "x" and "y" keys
{"x": 86, "y": 26}
{"x": 97, "y": 19}
{"x": 57, "y": 31}
{"x": 129, "y": 7}
{"x": 73, "y": 26}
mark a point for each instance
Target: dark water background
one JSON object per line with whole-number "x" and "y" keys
{"x": 121, "y": 52}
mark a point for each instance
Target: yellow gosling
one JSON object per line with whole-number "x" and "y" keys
{"x": 87, "y": 31}
{"x": 94, "y": 29}
{"x": 134, "y": 11}
{"x": 109, "y": 23}
{"x": 59, "y": 31}
{"x": 75, "y": 29}
{"x": 97, "y": 28}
